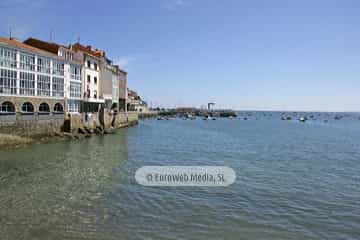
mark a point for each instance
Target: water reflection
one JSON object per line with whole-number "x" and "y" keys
{"x": 54, "y": 191}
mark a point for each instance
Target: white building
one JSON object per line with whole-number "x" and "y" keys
{"x": 33, "y": 80}
{"x": 70, "y": 68}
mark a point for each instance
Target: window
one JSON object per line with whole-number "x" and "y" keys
{"x": 27, "y": 84}
{"x": 27, "y": 62}
{"x": 7, "y": 107}
{"x": 75, "y": 89}
{"x": 43, "y": 85}
{"x": 73, "y": 106}
{"x": 44, "y": 108}
{"x": 114, "y": 105}
{"x": 43, "y": 65}
{"x": 75, "y": 72}
{"x": 95, "y": 94}
{"x": 58, "y": 87}
{"x": 58, "y": 108}
{"x": 8, "y": 81}
{"x": 58, "y": 68}
{"x": 87, "y": 93}
{"x": 88, "y": 78}
{"x": 27, "y": 107}
{"x": 69, "y": 55}
{"x": 95, "y": 66}
{"x": 95, "y": 80}
{"x": 88, "y": 64}
{"x": 7, "y": 58}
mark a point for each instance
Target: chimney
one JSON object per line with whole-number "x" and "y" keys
{"x": 100, "y": 52}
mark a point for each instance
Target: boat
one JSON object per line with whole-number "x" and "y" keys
{"x": 191, "y": 117}
{"x": 302, "y": 119}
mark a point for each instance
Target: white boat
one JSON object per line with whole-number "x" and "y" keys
{"x": 302, "y": 119}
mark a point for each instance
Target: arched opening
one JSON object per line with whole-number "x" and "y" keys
{"x": 44, "y": 108}
{"x": 114, "y": 107}
{"x": 27, "y": 107}
{"x": 58, "y": 108}
{"x": 7, "y": 108}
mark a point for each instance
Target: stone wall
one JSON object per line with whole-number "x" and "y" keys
{"x": 31, "y": 125}
{"x": 110, "y": 120}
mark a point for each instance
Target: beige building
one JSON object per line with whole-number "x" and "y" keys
{"x": 135, "y": 103}
{"x": 110, "y": 84}
{"x": 91, "y": 60}
{"x": 123, "y": 93}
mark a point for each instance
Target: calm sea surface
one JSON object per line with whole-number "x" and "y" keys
{"x": 294, "y": 181}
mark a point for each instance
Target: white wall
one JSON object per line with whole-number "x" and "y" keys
{"x": 92, "y": 73}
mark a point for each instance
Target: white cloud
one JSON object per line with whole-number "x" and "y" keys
{"x": 174, "y": 4}
{"x": 124, "y": 62}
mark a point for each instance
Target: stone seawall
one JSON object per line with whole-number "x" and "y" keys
{"x": 31, "y": 125}
{"x": 40, "y": 125}
{"x": 111, "y": 121}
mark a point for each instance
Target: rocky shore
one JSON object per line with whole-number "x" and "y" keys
{"x": 13, "y": 141}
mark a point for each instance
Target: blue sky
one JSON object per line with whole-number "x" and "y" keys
{"x": 258, "y": 54}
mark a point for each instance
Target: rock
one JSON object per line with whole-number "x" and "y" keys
{"x": 99, "y": 130}
{"x": 58, "y": 134}
{"x": 88, "y": 130}
{"x": 69, "y": 135}
{"x": 109, "y": 131}
{"x": 82, "y": 131}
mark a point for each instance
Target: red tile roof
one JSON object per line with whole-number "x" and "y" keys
{"x": 88, "y": 50}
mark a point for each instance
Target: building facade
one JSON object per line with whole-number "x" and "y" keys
{"x": 45, "y": 77}
{"x": 32, "y": 81}
{"x": 72, "y": 71}
{"x": 135, "y": 103}
{"x": 123, "y": 93}
{"x": 107, "y": 92}
{"x": 91, "y": 85}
